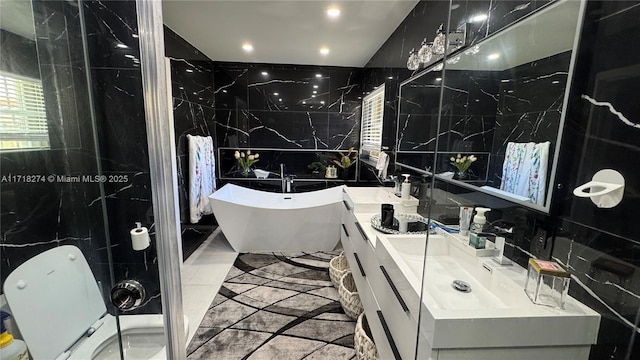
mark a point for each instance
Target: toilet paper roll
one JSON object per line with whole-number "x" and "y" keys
{"x": 140, "y": 238}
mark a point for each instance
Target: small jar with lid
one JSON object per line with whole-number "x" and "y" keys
{"x": 547, "y": 283}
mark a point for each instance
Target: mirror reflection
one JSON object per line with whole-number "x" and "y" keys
{"x": 502, "y": 109}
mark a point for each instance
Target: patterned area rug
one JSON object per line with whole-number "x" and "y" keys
{"x": 276, "y": 306}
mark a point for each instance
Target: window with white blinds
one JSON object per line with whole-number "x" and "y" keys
{"x": 23, "y": 120}
{"x": 371, "y": 128}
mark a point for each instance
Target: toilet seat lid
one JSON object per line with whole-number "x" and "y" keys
{"x": 54, "y": 299}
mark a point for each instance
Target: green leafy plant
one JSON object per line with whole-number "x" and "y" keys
{"x": 345, "y": 161}
{"x": 462, "y": 163}
{"x": 316, "y": 166}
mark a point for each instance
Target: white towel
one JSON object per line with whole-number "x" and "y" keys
{"x": 202, "y": 176}
{"x": 524, "y": 171}
{"x": 382, "y": 165}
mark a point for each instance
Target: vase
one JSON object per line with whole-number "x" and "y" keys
{"x": 246, "y": 172}
{"x": 345, "y": 174}
{"x": 461, "y": 175}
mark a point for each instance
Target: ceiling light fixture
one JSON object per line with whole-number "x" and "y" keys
{"x": 493, "y": 56}
{"x": 189, "y": 70}
{"x": 247, "y": 47}
{"x": 315, "y": 86}
{"x": 438, "y": 79}
{"x": 322, "y": 102}
{"x": 315, "y": 92}
{"x": 264, "y": 73}
{"x": 324, "y": 51}
{"x": 333, "y": 12}
{"x": 122, "y": 46}
{"x": 276, "y": 94}
{"x": 318, "y": 75}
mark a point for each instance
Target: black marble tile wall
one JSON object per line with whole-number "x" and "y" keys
{"x": 18, "y": 55}
{"x": 193, "y": 114}
{"x": 121, "y": 128}
{"x": 287, "y": 106}
{"x": 37, "y": 216}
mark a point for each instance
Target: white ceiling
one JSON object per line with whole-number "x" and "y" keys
{"x": 286, "y": 31}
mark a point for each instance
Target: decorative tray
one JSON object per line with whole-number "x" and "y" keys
{"x": 417, "y": 224}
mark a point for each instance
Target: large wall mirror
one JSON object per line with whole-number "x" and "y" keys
{"x": 501, "y": 102}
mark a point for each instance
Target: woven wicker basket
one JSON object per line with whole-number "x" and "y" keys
{"x": 338, "y": 266}
{"x": 363, "y": 340}
{"x": 349, "y": 298}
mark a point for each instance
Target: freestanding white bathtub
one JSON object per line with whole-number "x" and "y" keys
{"x": 254, "y": 220}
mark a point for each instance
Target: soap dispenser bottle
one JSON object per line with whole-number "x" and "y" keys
{"x": 477, "y": 227}
{"x": 10, "y": 348}
{"x": 406, "y": 187}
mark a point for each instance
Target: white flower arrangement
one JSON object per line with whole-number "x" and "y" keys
{"x": 246, "y": 159}
{"x": 462, "y": 163}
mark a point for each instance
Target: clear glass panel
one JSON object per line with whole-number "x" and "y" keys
{"x": 53, "y": 186}
{"x": 504, "y": 97}
{"x": 75, "y": 185}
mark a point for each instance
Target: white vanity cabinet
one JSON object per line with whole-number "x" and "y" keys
{"x": 496, "y": 320}
{"x": 393, "y": 324}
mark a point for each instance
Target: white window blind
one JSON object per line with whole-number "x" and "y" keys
{"x": 371, "y": 128}
{"x": 23, "y": 120}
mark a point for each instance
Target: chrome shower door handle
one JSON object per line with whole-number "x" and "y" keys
{"x": 127, "y": 295}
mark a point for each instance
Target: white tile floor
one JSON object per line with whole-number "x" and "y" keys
{"x": 202, "y": 275}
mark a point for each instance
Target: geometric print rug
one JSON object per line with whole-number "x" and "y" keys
{"x": 276, "y": 306}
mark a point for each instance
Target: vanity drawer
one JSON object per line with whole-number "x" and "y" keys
{"x": 370, "y": 305}
{"x": 399, "y": 317}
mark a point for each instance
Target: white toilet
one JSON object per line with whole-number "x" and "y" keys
{"x": 60, "y": 312}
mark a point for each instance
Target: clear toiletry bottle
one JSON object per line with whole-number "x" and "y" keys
{"x": 477, "y": 227}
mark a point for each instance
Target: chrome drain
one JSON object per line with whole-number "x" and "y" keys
{"x": 461, "y": 286}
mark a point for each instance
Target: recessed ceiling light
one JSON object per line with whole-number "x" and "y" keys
{"x": 390, "y": 77}
{"x": 504, "y": 80}
{"x": 189, "y": 70}
{"x": 276, "y": 94}
{"x": 130, "y": 56}
{"x": 315, "y": 92}
{"x": 224, "y": 91}
{"x": 324, "y": 51}
{"x": 315, "y": 86}
{"x": 134, "y": 36}
{"x": 479, "y": 18}
{"x": 438, "y": 79}
{"x": 304, "y": 102}
{"x": 247, "y": 47}
{"x": 279, "y": 99}
{"x": 322, "y": 102}
{"x": 318, "y": 75}
{"x": 555, "y": 82}
{"x": 122, "y": 46}
{"x": 493, "y": 56}
{"x": 333, "y": 12}
{"x": 265, "y": 73}
{"x": 313, "y": 96}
